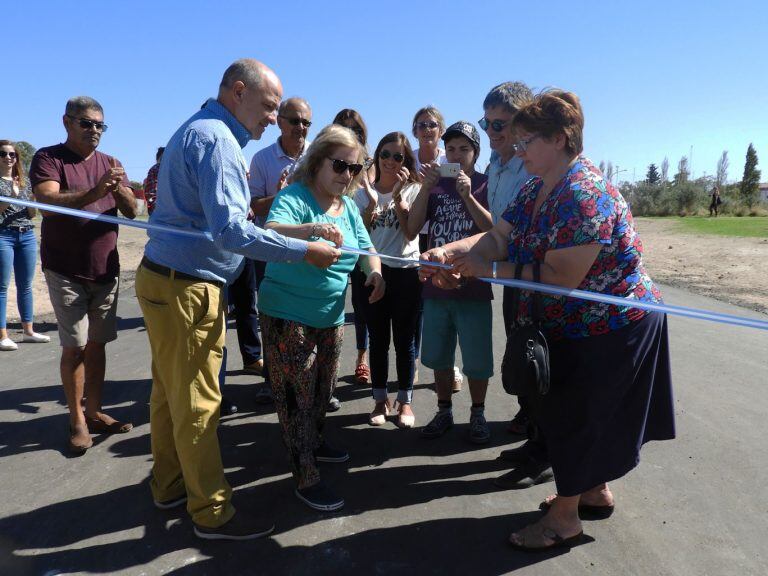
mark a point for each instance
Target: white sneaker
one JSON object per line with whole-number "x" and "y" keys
{"x": 36, "y": 338}
{"x": 7, "y": 345}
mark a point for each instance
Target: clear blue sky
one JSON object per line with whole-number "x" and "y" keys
{"x": 655, "y": 78}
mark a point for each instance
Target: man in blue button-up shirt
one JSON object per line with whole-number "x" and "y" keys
{"x": 202, "y": 186}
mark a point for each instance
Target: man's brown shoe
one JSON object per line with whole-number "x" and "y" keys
{"x": 256, "y": 368}
{"x": 240, "y": 527}
{"x": 79, "y": 439}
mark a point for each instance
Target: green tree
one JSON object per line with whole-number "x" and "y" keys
{"x": 750, "y": 183}
{"x": 722, "y": 170}
{"x": 652, "y": 176}
{"x": 683, "y": 172}
{"x": 665, "y": 170}
{"x": 26, "y": 151}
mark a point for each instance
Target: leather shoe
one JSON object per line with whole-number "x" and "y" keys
{"x": 525, "y": 476}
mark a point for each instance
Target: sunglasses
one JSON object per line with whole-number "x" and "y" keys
{"x": 497, "y": 125}
{"x": 89, "y": 124}
{"x": 426, "y": 125}
{"x": 522, "y": 145}
{"x": 296, "y": 121}
{"x": 11, "y": 155}
{"x": 397, "y": 157}
{"x": 339, "y": 166}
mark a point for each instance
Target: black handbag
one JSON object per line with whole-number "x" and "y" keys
{"x": 525, "y": 367}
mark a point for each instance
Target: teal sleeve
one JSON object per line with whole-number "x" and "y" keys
{"x": 363, "y": 238}
{"x": 289, "y": 206}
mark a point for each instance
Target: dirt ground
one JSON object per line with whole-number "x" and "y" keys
{"x": 726, "y": 268}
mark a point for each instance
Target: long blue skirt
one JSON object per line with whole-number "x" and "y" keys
{"x": 609, "y": 395}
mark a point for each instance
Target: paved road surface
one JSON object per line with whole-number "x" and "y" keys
{"x": 694, "y": 506}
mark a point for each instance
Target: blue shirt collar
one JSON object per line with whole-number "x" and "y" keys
{"x": 516, "y": 166}
{"x": 217, "y": 110}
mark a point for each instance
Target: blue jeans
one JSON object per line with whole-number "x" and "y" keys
{"x": 18, "y": 252}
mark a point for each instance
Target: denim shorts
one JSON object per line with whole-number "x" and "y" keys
{"x": 469, "y": 322}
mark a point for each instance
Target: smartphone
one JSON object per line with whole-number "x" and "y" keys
{"x": 450, "y": 170}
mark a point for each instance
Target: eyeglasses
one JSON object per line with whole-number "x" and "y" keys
{"x": 397, "y": 157}
{"x": 89, "y": 124}
{"x": 296, "y": 121}
{"x": 339, "y": 166}
{"x": 11, "y": 155}
{"x": 522, "y": 145}
{"x": 427, "y": 124}
{"x": 497, "y": 125}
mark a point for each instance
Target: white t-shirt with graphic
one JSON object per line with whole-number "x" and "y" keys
{"x": 387, "y": 236}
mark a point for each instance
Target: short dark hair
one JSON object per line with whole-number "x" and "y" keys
{"x": 508, "y": 95}
{"x": 159, "y": 153}
{"x": 79, "y": 104}
{"x": 247, "y": 70}
{"x": 292, "y": 101}
{"x": 554, "y": 112}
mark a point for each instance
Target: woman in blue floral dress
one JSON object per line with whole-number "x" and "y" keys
{"x": 611, "y": 387}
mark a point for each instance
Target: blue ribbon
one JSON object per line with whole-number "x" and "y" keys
{"x": 523, "y": 284}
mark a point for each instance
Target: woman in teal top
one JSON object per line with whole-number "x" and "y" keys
{"x": 302, "y": 307}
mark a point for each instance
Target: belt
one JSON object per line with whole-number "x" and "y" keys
{"x": 165, "y": 271}
{"x": 19, "y": 229}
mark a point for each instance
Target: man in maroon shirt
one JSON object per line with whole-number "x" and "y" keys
{"x": 80, "y": 261}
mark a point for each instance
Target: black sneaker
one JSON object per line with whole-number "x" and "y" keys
{"x": 240, "y": 527}
{"x": 525, "y": 476}
{"x": 438, "y": 426}
{"x": 330, "y": 454}
{"x": 264, "y": 395}
{"x": 228, "y": 407}
{"x": 519, "y": 455}
{"x": 172, "y": 503}
{"x": 320, "y": 497}
{"x": 479, "y": 433}
{"x": 334, "y": 404}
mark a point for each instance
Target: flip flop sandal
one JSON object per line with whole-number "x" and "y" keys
{"x": 101, "y": 427}
{"x": 557, "y": 542}
{"x": 587, "y": 511}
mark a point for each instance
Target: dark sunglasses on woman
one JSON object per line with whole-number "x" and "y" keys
{"x": 397, "y": 157}
{"x": 497, "y": 125}
{"x": 425, "y": 125}
{"x": 296, "y": 121}
{"x": 3, "y": 154}
{"x": 339, "y": 166}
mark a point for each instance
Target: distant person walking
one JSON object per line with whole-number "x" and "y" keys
{"x": 150, "y": 182}
{"x": 716, "y": 201}
{"x": 18, "y": 245}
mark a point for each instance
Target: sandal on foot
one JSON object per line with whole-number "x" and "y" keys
{"x": 362, "y": 373}
{"x": 586, "y": 511}
{"x": 545, "y": 533}
{"x": 79, "y": 439}
{"x": 98, "y": 426}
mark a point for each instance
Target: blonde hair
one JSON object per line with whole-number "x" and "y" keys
{"x": 323, "y": 146}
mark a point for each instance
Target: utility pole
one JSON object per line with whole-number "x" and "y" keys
{"x": 690, "y": 162}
